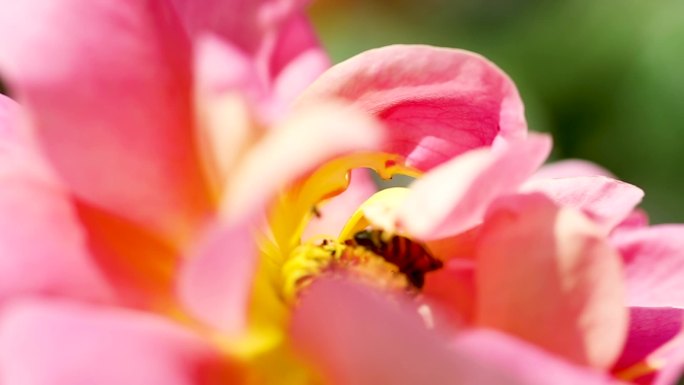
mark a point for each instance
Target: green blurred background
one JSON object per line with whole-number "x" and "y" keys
{"x": 605, "y": 77}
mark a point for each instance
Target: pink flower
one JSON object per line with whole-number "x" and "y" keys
{"x": 166, "y": 158}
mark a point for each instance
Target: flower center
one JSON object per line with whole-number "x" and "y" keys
{"x": 412, "y": 258}
{"x": 287, "y": 266}
{"x": 374, "y": 257}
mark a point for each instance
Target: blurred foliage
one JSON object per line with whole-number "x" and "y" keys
{"x": 605, "y": 77}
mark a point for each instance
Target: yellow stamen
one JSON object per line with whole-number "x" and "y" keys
{"x": 295, "y": 207}
{"x": 310, "y": 261}
{"x": 286, "y": 267}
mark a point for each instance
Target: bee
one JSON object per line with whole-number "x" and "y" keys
{"x": 412, "y": 258}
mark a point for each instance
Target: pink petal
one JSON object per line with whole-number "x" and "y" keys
{"x": 245, "y": 23}
{"x": 654, "y": 261}
{"x": 16, "y": 135}
{"x": 546, "y": 275}
{"x": 63, "y": 343}
{"x": 606, "y": 201}
{"x": 309, "y": 137}
{"x": 9, "y": 125}
{"x": 221, "y": 67}
{"x": 355, "y": 337}
{"x": 216, "y": 281}
{"x": 452, "y": 288}
{"x": 298, "y": 59}
{"x": 275, "y": 35}
{"x": 229, "y": 97}
{"x": 526, "y": 362}
{"x": 454, "y": 197}
{"x": 637, "y": 218}
{"x": 437, "y": 103}
{"x": 335, "y": 214}
{"x": 649, "y": 329}
{"x": 42, "y": 245}
{"x": 568, "y": 168}
{"x": 109, "y": 97}
{"x": 234, "y": 102}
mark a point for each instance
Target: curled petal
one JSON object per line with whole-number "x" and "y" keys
{"x": 606, "y": 201}
{"x": 63, "y": 343}
{"x": 311, "y": 136}
{"x": 454, "y": 196}
{"x": 437, "y": 103}
{"x": 548, "y": 276}
{"x": 654, "y": 264}
{"x": 569, "y": 168}
{"x": 114, "y": 119}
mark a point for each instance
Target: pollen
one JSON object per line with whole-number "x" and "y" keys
{"x": 330, "y": 258}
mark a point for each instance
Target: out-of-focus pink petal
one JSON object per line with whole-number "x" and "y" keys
{"x": 216, "y": 280}
{"x": 235, "y": 103}
{"x": 245, "y": 23}
{"x": 221, "y": 67}
{"x": 569, "y": 168}
{"x": 8, "y": 118}
{"x": 606, "y": 201}
{"x": 654, "y": 264}
{"x": 454, "y": 197}
{"x": 356, "y": 337}
{"x": 63, "y": 343}
{"x": 452, "y": 288}
{"x": 637, "y": 218}
{"x": 335, "y": 214}
{"x": 17, "y": 138}
{"x": 276, "y": 35}
{"x": 649, "y": 329}
{"x": 546, "y": 275}
{"x": 298, "y": 59}
{"x": 83, "y": 252}
{"x": 437, "y": 103}
{"x": 42, "y": 244}
{"x": 311, "y": 136}
{"x": 526, "y": 362}
{"x": 229, "y": 97}
{"x": 109, "y": 98}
